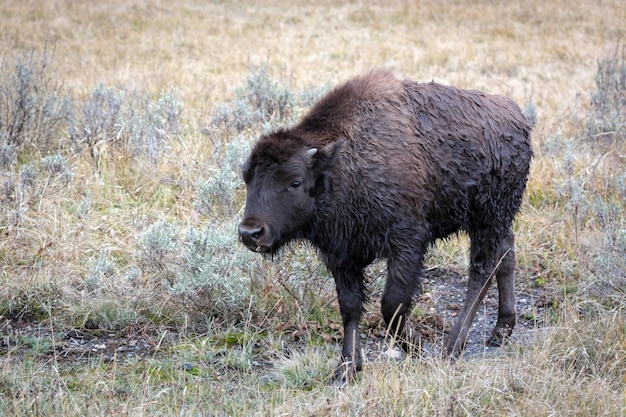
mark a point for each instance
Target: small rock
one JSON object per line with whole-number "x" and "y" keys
{"x": 393, "y": 353}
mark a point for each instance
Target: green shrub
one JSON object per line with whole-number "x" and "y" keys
{"x": 610, "y": 258}
{"x": 100, "y": 268}
{"x": 126, "y": 121}
{"x": 530, "y": 111}
{"x": 261, "y": 104}
{"x": 27, "y": 188}
{"x": 203, "y": 265}
{"x": 607, "y": 118}
{"x": 33, "y": 110}
{"x": 219, "y": 189}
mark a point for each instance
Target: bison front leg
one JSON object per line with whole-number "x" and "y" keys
{"x": 403, "y": 282}
{"x": 351, "y": 295}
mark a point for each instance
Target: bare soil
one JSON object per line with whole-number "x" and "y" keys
{"x": 441, "y": 301}
{"x": 20, "y": 338}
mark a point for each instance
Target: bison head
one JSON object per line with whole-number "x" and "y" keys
{"x": 283, "y": 180}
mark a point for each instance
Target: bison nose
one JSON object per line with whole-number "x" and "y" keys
{"x": 250, "y": 235}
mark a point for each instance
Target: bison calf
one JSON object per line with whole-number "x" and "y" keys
{"x": 381, "y": 168}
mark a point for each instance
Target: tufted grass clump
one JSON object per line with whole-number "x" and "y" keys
{"x": 35, "y": 303}
{"x": 303, "y": 370}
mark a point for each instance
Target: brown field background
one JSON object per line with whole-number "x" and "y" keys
{"x": 541, "y": 53}
{"x": 547, "y": 49}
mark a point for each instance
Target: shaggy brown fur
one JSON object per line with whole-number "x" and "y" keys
{"x": 380, "y": 168}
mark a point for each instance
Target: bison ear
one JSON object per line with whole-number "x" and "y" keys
{"x": 324, "y": 157}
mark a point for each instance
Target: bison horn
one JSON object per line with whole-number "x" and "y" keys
{"x": 311, "y": 152}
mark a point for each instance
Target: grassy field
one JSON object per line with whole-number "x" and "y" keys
{"x": 123, "y": 289}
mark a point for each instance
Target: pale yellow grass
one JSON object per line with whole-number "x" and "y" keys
{"x": 544, "y": 51}
{"x": 517, "y": 48}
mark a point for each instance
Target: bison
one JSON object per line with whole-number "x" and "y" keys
{"x": 380, "y": 168}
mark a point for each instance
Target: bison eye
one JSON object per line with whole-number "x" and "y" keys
{"x": 295, "y": 184}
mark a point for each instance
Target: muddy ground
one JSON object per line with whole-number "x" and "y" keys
{"x": 442, "y": 300}
{"x": 437, "y": 307}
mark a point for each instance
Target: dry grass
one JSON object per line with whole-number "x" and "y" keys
{"x": 203, "y": 49}
{"x": 74, "y": 256}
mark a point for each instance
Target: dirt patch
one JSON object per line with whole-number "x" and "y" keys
{"x": 442, "y": 300}
{"x": 18, "y": 338}
{"x": 435, "y": 311}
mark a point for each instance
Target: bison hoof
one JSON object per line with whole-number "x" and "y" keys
{"x": 345, "y": 373}
{"x": 454, "y": 348}
{"x": 411, "y": 343}
{"x": 499, "y": 336}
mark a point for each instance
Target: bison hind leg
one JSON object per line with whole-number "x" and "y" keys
{"x": 505, "y": 278}
{"x": 491, "y": 254}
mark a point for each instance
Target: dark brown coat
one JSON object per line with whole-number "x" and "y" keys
{"x": 381, "y": 168}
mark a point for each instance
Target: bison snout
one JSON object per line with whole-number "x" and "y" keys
{"x": 251, "y": 236}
